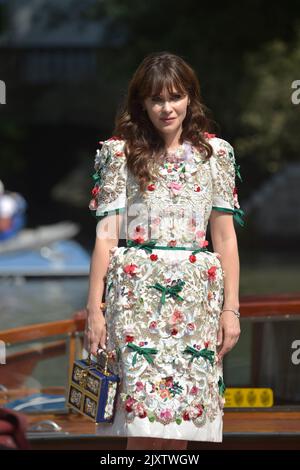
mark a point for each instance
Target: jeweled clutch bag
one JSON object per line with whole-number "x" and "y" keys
{"x": 93, "y": 390}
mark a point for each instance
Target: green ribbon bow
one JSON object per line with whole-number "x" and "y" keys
{"x": 146, "y": 352}
{"x": 221, "y": 386}
{"x": 170, "y": 291}
{"x": 205, "y": 353}
{"x": 237, "y": 170}
{"x": 96, "y": 176}
{"x": 110, "y": 286}
{"x": 147, "y": 246}
{"x": 238, "y": 215}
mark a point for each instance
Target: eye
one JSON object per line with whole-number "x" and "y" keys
{"x": 156, "y": 99}
{"x": 176, "y": 97}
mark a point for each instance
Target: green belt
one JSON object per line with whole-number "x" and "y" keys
{"x": 151, "y": 244}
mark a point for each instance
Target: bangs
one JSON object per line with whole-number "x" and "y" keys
{"x": 157, "y": 81}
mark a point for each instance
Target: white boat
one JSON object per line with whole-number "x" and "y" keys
{"x": 44, "y": 251}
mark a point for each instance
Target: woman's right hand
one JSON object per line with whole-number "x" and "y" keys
{"x": 95, "y": 330}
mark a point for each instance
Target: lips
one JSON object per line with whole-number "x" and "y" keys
{"x": 167, "y": 119}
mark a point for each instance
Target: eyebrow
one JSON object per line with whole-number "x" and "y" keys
{"x": 173, "y": 93}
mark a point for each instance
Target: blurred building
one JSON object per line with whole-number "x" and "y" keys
{"x": 274, "y": 208}
{"x": 55, "y": 41}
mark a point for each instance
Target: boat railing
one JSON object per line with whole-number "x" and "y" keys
{"x": 262, "y": 316}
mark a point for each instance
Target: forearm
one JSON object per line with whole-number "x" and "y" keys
{"x": 99, "y": 267}
{"x": 98, "y": 270}
{"x": 228, "y": 249}
{"x": 96, "y": 328}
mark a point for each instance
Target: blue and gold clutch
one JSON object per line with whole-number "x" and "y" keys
{"x": 93, "y": 390}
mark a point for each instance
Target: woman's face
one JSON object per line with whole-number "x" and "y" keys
{"x": 167, "y": 111}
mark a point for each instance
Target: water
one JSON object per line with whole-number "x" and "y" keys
{"x": 28, "y": 301}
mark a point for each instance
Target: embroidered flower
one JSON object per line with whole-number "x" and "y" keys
{"x": 177, "y": 317}
{"x": 156, "y": 221}
{"x": 192, "y": 258}
{"x": 207, "y": 135}
{"x": 210, "y": 296}
{"x": 141, "y": 230}
{"x": 95, "y": 190}
{"x": 175, "y": 187}
{"x": 169, "y": 382}
{"x": 172, "y": 243}
{"x": 221, "y": 152}
{"x": 193, "y": 412}
{"x": 203, "y": 243}
{"x": 153, "y": 257}
{"x": 197, "y": 188}
{"x": 119, "y": 154}
{"x": 93, "y": 205}
{"x": 212, "y": 273}
{"x": 166, "y": 415}
{"x": 151, "y": 187}
{"x": 194, "y": 390}
{"x": 139, "y": 410}
{"x": 153, "y": 325}
{"x": 191, "y": 326}
{"x": 139, "y": 386}
{"x": 138, "y": 239}
{"x": 235, "y": 198}
{"x": 200, "y": 234}
{"x": 129, "y": 404}
{"x": 130, "y": 269}
{"x": 129, "y": 339}
{"x": 164, "y": 394}
{"x": 199, "y": 409}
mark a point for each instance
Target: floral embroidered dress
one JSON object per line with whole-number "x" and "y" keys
{"x": 164, "y": 290}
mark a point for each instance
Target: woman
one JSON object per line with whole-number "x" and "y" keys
{"x": 171, "y": 314}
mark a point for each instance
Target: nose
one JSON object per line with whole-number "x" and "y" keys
{"x": 166, "y": 106}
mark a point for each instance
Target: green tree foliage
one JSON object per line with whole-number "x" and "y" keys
{"x": 269, "y": 118}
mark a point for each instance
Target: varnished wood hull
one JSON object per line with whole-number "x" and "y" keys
{"x": 261, "y": 430}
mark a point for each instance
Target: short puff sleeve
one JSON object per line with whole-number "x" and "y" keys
{"x": 224, "y": 171}
{"x": 109, "y": 191}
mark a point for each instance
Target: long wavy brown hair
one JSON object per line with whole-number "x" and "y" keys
{"x": 144, "y": 146}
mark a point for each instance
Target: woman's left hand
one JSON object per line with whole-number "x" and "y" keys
{"x": 228, "y": 334}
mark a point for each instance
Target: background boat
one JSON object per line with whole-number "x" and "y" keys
{"x": 44, "y": 251}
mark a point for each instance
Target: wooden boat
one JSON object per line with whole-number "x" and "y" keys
{"x": 277, "y": 427}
